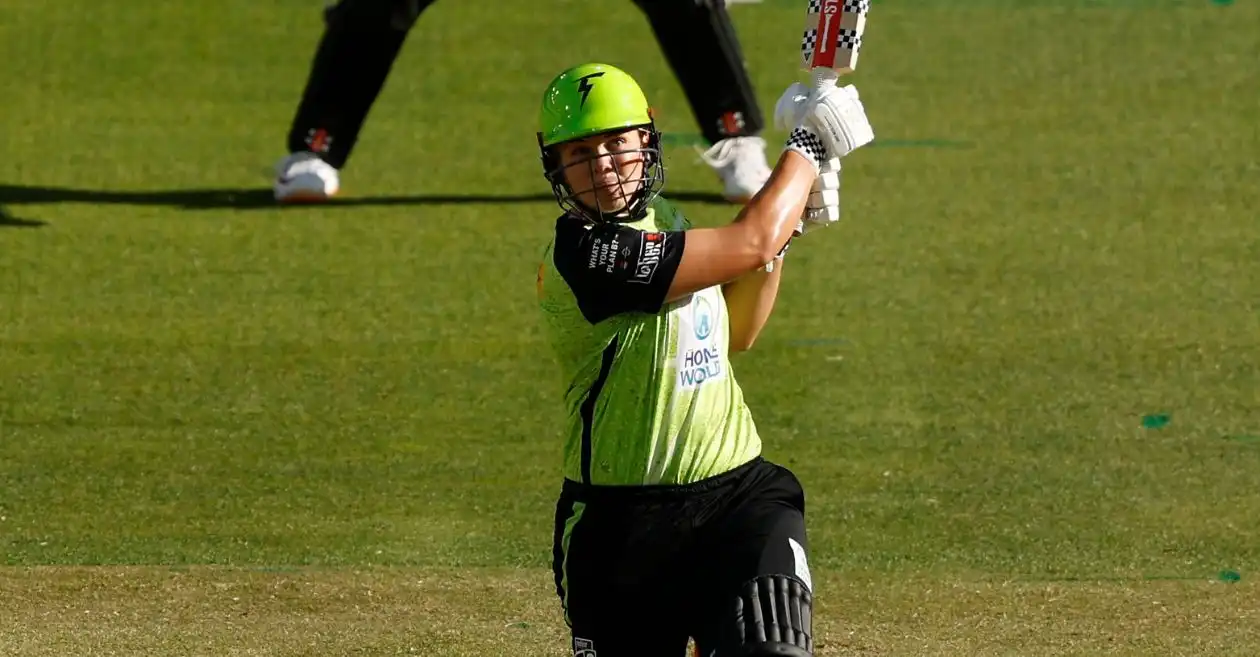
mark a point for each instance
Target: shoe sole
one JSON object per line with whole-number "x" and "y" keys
{"x": 305, "y": 198}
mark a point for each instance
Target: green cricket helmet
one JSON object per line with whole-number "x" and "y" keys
{"x": 589, "y": 100}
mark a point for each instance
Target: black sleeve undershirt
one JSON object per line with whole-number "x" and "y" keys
{"x": 613, "y": 268}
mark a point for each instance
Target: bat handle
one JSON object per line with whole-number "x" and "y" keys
{"x": 825, "y": 77}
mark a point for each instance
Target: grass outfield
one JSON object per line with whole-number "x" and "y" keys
{"x": 496, "y": 611}
{"x": 1020, "y": 382}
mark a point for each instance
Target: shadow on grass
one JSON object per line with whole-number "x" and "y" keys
{"x": 261, "y": 198}
{"x": 9, "y": 221}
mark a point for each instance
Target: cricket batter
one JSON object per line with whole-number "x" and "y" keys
{"x": 670, "y": 524}
{"x": 362, "y": 38}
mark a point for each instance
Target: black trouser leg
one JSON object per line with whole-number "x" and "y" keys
{"x": 361, "y": 40}
{"x": 715, "y": 79}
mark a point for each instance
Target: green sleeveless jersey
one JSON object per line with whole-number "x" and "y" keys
{"x": 649, "y": 394}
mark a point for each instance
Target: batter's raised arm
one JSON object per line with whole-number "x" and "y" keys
{"x": 601, "y": 154}
{"x": 829, "y": 125}
{"x": 613, "y": 268}
{"x": 714, "y": 256}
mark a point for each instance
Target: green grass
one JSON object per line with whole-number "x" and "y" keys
{"x": 1055, "y": 237}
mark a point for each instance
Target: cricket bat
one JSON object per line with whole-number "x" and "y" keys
{"x": 833, "y": 38}
{"x": 829, "y": 49}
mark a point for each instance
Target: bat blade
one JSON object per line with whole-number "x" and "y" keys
{"x": 833, "y": 34}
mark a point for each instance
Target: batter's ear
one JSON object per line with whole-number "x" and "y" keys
{"x": 651, "y": 136}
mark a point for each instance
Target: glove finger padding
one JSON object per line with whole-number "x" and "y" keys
{"x": 828, "y": 176}
{"x": 823, "y": 198}
{"x": 819, "y": 218}
{"x": 823, "y": 207}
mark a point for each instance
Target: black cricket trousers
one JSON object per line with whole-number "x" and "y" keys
{"x": 639, "y": 569}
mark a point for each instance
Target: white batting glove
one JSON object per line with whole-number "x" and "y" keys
{"x": 823, "y": 207}
{"x": 791, "y": 106}
{"x": 839, "y": 118}
{"x": 827, "y": 123}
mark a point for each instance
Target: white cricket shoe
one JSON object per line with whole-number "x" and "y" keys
{"x": 741, "y": 164}
{"x": 304, "y": 178}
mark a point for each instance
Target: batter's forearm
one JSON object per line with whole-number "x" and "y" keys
{"x": 749, "y": 302}
{"x": 717, "y": 256}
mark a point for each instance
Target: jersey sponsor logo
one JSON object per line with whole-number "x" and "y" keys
{"x": 699, "y": 355}
{"x": 603, "y": 254}
{"x": 583, "y": 647}
{"x": 699, "y": 365}
{"x": 650, "y": 252}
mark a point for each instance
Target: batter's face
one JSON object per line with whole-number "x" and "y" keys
{"x": 604, "y": 171}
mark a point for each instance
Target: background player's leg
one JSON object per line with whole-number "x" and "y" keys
{"x": 760, "y": 592}
{"x": 361, "y": 40}
{"x": 699, "y": 42}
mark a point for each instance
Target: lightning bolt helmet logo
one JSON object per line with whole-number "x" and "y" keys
{"x": 584, "y": 84}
